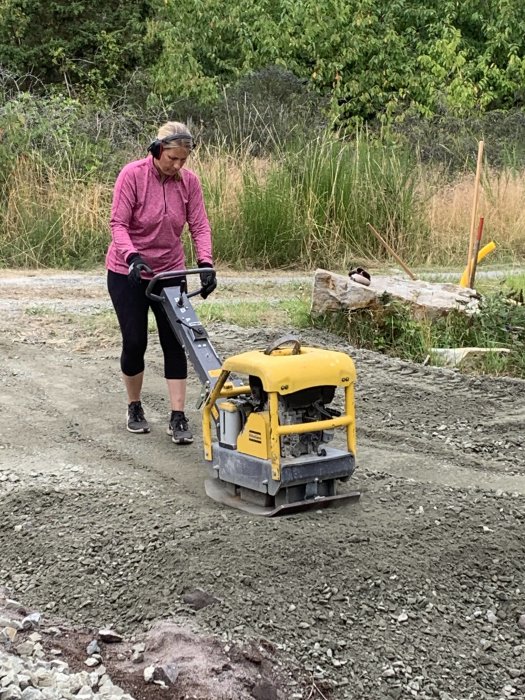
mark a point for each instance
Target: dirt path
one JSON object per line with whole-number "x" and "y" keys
{"x": 415, "y": 592}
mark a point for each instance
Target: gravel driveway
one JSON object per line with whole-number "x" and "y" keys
{"x": 418, "y": 591}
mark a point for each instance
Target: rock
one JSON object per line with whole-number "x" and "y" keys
{"x": 521, "y": 622}
{"x": 92, "y": 661}
{"x": 109, "y": 636}
{"x": 93, "y": 648}
{"x": 199, "y": 599}
{"x": 492, "y": 617}
{"x": 166, "y": 674}
{"x": 8, "y": 634}
{"x": 332, "y": 292}
{"x": 6, "y": 622}
{"x": 7, "y": 679}
{"x": 485, "y": 660}
{"x": 32, "y": 694}
{"x": 31, "y": 621}
{"x": 58, "y": 666}
{"x": 137, "y": 657}
{"x": 264, "y": 690}
{"x": 25, "y": 648}
{"x": 43, "y": 678}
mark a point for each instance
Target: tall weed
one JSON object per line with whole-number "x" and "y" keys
{"x": 393, "y": 330}
{"x": 48, "y": 221}
{"x": 341, "y": 186}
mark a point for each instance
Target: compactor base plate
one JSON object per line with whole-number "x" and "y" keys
{"x": 215, "y": 489}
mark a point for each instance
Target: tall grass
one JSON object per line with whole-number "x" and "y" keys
{"x": 310, "y": 206}
{"x": 449, "y": 209}
{"x": 342, "y": 186}
{"x": 49, "y": 219}
{"x": 301, "y": 206}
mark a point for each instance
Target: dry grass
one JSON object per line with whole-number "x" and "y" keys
{"x": 223, "y": 175}
{"x": 48, "y": 218}
{"x": 43, "y": 210}
{"x": 501, "y": 199}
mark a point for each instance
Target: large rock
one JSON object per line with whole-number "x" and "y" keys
{"x": 332, "y": 292}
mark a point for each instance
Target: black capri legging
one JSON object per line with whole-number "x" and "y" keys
{"x": 132, "y": 305}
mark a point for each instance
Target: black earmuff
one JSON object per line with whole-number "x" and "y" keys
{"x": 155, "y": 148}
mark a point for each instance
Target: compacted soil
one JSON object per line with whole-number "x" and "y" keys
{"x": 416, "y": 591}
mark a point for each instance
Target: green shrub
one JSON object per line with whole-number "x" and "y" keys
{"x": 392, "y": 329}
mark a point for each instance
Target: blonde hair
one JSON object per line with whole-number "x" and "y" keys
{"x": 177, "y": 129}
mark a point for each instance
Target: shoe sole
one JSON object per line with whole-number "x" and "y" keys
{"x": 140, "y": 430}
{"x": 179, "y": 441}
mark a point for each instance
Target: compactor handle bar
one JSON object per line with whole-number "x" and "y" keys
{"x": 171, "y": 274}
{"x": 285, "y": 340}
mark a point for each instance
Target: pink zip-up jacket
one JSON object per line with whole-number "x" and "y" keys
{"x": 148, "y": 216}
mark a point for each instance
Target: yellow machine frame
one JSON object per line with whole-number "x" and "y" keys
{"x": 285, "y": 372}
{"x": 247, "y": 471}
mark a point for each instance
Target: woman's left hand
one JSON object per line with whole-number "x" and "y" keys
{"x": 208, "y": 279}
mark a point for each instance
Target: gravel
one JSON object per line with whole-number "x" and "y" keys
{"x": 418, "y": 591}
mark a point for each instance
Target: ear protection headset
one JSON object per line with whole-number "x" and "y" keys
{"x": 155, "y": 148}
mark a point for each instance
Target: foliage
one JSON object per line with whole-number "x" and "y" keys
{"x": 204, "y": 47}
{"x": 81, "y": 140}
{"x": 265, "y": 112}
{"x": 276, "y": 196}
{"x": 370, "y": 61}
{"x": 373, "y": 60}
{"x": 392, "y": 329}
{"x": 389, "y": 328}
{"x": 84, "y": 48}
{"x": 378, "y": 59}
{"x": 452, "y": 140}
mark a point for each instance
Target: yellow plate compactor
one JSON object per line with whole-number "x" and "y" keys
{"x": 266, "y": 415}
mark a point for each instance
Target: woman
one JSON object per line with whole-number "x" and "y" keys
{"x": 152, "y": 201}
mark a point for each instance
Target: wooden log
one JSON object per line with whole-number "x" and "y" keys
{"x": 333, "y": 292}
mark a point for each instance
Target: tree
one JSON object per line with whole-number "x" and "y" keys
{"x": 80, "y": 46}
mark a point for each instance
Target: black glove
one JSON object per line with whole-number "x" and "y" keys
{"x": 136, "y": 266}
{"x": 208, "y": 279}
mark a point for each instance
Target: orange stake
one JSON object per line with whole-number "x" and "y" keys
{"x": 477, "y": 246}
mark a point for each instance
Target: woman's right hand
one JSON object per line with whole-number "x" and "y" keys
{"x": 136, "y": 267}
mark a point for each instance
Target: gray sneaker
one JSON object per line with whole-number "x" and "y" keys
{"x": 135, "y": 419}
{"x": 178, "y": 428}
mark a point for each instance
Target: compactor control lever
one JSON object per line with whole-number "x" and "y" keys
{"x": 184, "y": 322}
